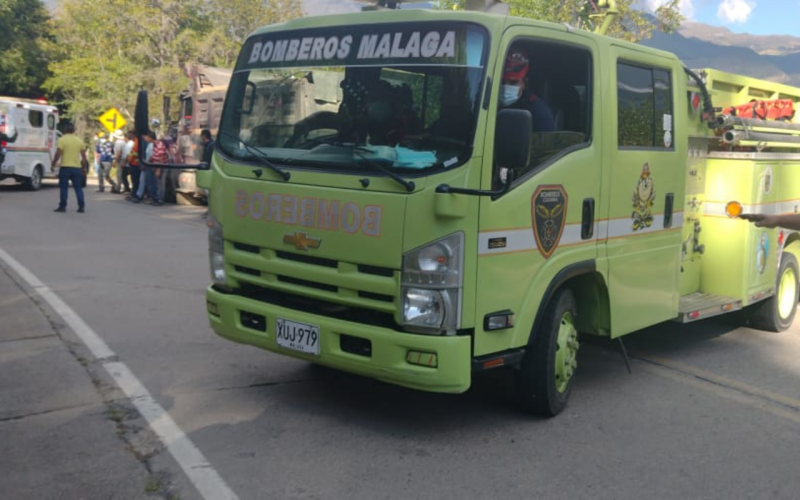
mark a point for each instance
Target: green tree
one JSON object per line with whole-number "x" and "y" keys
{"x": 632, "y": 25}
{"x": 25, "y": 39}
{"x": 230, "y": 21}
{"x": 110, "y": 49}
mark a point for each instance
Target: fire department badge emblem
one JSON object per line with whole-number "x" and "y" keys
{"x": 548, "y": 213}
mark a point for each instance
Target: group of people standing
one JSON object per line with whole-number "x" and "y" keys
{"x": 118, "y": 154}
{"x": 142, "y": 184}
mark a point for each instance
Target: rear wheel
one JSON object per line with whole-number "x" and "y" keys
{"x": 544, "y": 380}
{"x": 776, "y": 314}
{"x": 34, "y": 182}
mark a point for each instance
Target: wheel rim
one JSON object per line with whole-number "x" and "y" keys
{"x": 35, "y": 178}
{"x": 566, "y": 352}
{"x": 787, "y": 293}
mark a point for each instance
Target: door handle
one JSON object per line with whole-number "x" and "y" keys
{"x": 587, "y": 219}
{"x": 669, "y": 203}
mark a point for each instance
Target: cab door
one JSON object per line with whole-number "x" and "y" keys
{"x": 545, "y": 222}
{"x": 645, "y": 196}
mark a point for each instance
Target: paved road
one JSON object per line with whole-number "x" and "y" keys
{"x": 710, "y": 411}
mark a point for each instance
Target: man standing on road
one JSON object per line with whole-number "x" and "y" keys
{"x": 74, "y": 164}
{"x": 208, "y": 145}
{"x": 148, "y": 183}
{"x": 105, "y": 150}
{"x": 119, "y": 162}
{"x": 135, "y": 167}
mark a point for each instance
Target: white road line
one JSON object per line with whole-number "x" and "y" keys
{"x": 207, "y": 481}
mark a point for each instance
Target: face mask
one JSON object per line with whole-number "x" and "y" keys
{"x": 509, "y": 94}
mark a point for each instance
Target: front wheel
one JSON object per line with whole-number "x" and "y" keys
{"x": 544, "y": 379}
{"x": 776, "y": 314}
{"x": 34, "y": 182}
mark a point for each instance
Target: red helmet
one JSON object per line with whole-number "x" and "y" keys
{"x": 516, "y": 65}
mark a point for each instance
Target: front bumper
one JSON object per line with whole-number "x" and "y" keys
{"x": 387, "y": 360}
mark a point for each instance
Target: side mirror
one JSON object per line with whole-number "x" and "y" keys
{"x": 512, "y": 138}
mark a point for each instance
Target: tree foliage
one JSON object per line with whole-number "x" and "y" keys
{"x": 110, "y": 49}
{"x": 25, "y": 41}
{"x": 632, "y": 25}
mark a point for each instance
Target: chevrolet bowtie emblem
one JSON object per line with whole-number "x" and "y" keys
{"x": 301, "y": 241}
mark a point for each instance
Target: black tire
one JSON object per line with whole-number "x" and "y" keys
{"x": 544, "y": 379}
{"x": 776, "y": 314}
{"x": 34, "y": 182}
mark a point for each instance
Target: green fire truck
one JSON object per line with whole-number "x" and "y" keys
{"x": 375, "y": 209}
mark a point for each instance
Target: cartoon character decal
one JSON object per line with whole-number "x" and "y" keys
{"x": 548, "y": 213}
{"x": 643, "y": 197}
{"x": 762, "y": 254}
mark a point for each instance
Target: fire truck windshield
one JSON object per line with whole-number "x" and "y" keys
{"x": 404, "y": 95}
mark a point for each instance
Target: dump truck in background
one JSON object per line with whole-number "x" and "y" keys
{"x": 200, "y": 108}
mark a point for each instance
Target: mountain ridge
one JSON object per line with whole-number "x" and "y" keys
{"x": 770, "y": 57}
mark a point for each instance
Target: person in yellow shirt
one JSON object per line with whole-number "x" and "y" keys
{"x": 72, "y": 153}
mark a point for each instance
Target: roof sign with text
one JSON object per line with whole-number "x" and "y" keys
{"x": 386, "y": 44}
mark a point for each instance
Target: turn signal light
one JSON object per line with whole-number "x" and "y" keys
{"x": 498, "y": 321}
{"x": 733, "y": 209}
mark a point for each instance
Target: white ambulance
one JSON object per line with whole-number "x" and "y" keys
{"x": 29, "y": 134}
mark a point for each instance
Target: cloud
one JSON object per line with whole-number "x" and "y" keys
{"x": 735, "y": 11}
{"x": 685, "y": 6}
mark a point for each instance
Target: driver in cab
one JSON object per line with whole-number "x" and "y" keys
{"x": 514, "y": 92}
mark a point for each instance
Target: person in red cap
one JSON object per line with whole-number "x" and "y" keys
{"x": 514, "y": 91}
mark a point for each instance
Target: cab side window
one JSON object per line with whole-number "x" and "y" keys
{"x": 644, "y": 107}
{"x": 557, "y": 95}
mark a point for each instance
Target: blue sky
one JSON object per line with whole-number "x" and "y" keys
{"x": 758, "y": 17}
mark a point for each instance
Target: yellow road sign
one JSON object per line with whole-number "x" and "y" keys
{"x": 112, "y": 120}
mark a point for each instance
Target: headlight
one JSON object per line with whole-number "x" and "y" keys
{"x": 216, "y": 250}
{"x": 432, "y": 281}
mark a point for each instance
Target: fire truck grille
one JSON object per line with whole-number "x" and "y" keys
{"x": 360, "y": 292}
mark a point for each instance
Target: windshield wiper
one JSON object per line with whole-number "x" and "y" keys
{"x": 409, "y": 185}
{"x": 261, "y": 156}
